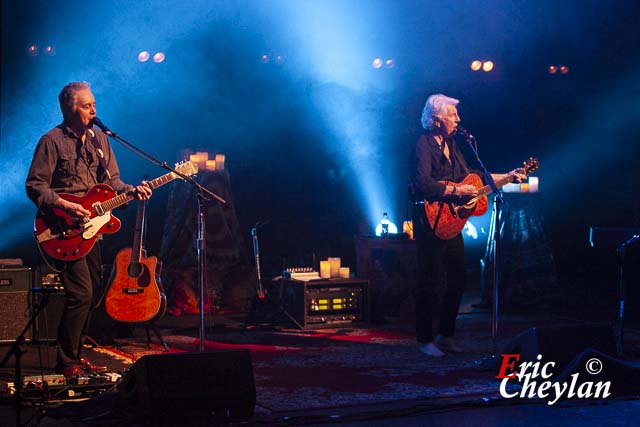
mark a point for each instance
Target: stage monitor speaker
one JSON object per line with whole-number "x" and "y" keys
{"x": 14, "y": 302}
{"x": 200, "y": 386}
{"x": 562, "y": 343}
{"x": 595, "y": 366}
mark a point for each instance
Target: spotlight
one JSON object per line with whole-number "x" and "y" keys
{"x": 552, "y": 69}
{"x": 144, "y": 56}
{"x": 389, "y": 63}
{"x": 49, "y": 50}
{"x": 487, "y": 66}
{"x": 158, "y": 57}
{"x": 476, "y": 65}
{"x": 377, "y": 63}
{"x": 265, "y": 58}
{"x": 32, "y": 50}
{"x": 564, "y": 69}
{"x": 279, "y": 59}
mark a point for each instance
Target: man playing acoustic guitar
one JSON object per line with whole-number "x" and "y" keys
{"x": 437, "y": 169}
{"x": 72, "y": 158}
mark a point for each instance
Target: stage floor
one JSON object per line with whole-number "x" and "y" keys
{"x": 308, "y": 376}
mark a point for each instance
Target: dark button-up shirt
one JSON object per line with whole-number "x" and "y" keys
{"x": 62, "y": 163}
{"x": 428, "y": 165}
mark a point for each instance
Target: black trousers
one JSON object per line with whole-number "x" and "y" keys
{"x": 78, "y": 279}
{"x": 438, "y": 261}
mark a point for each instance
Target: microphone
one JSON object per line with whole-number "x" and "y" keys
{"x": 97, "y": 122}
{"x": 462, "y": 131}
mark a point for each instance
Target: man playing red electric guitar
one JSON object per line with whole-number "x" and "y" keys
{"x": 72, "y": 158}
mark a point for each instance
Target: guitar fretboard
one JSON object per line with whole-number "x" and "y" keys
{"x": 499, "y": 183}
{"x": 123, "y": 198}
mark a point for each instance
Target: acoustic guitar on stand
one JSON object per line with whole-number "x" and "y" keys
{"x": 135, "y": 294}
{"x": 447, "y": 218}
{"x": 68, "y": 238}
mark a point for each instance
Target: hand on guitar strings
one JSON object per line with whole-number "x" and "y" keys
{"x": 466, "y": 191}
{"x": 142, "y": 191}
{"x": 74, "y": 209}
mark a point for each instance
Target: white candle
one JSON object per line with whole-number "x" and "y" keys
{"x": 325, "y": 269}
{"x": 344, "y": 272}
{"x": 219, "y": 161}
{"x": 335, "y": 266}
{"x": 407, "y": 227}
{"x": 533, "y": 184}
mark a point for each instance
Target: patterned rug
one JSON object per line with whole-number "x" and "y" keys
{"x": 296, "y": 370}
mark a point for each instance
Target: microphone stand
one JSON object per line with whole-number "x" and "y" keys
{"x": 622, "y": 292}
{"x": 201, "y": 235}
{"x": 498, "y": 202}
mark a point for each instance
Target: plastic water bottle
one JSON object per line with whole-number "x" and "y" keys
{"x": 386, "y": 227}
{"x": 385, "y": 224}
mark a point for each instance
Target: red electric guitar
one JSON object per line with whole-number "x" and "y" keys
{"x": 68, "y": 238}
{"x": 135, "y": 294}
{"x": 447, "y": 219}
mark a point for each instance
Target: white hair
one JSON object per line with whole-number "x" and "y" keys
{"x": 436, "y": 106}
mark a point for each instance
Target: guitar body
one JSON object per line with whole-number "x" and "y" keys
{"x": 135, "y": 293}
{"x": 65, "y": 238}
{"x": 447, "y": 219}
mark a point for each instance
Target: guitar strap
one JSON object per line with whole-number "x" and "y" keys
{"x": 96, "y": 145}
{"x": 437, "y": 220}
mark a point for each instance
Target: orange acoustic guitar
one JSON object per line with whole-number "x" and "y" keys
{"x": 447, "y": 219}
{"x": 68, "y": 238}
{"x": 135, "y": 294}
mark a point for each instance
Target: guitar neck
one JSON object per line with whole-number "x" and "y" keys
{"x": 486, "y": 190}
{"x": 138, "y": 235}
{"x": 123, "y": 198}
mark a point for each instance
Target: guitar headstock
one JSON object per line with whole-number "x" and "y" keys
{"x": 187, "y": 168}
{"x": 530, "y": 165}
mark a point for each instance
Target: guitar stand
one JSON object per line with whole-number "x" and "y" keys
{"x": 261, "y": 296}
{"x": 154, "y": 328}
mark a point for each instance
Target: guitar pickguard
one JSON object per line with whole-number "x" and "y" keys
{"x": 93, "y": 226}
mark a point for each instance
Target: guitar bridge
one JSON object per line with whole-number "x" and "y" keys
{"x": 132, "y": 291}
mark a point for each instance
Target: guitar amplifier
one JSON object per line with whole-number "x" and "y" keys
{"x": 45, "y": 327}
{"x": 327, "y": 303}
{"x": 14, "y": 302}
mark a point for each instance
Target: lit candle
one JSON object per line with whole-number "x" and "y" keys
{"x": 335, "y": 266}
{"x": 533, "y": 184}
{"x": 211, "y": 165}
{"x": 325, "y": 269}
{"x": 407, "y": 228}
{"x": 524, "y": 187}
{"x": 344, "y": 272}
{"x": 219, "y": 161}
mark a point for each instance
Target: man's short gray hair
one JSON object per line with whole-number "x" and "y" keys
{"x": 67, "y": 97}
{"x": 436, "y": 106}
